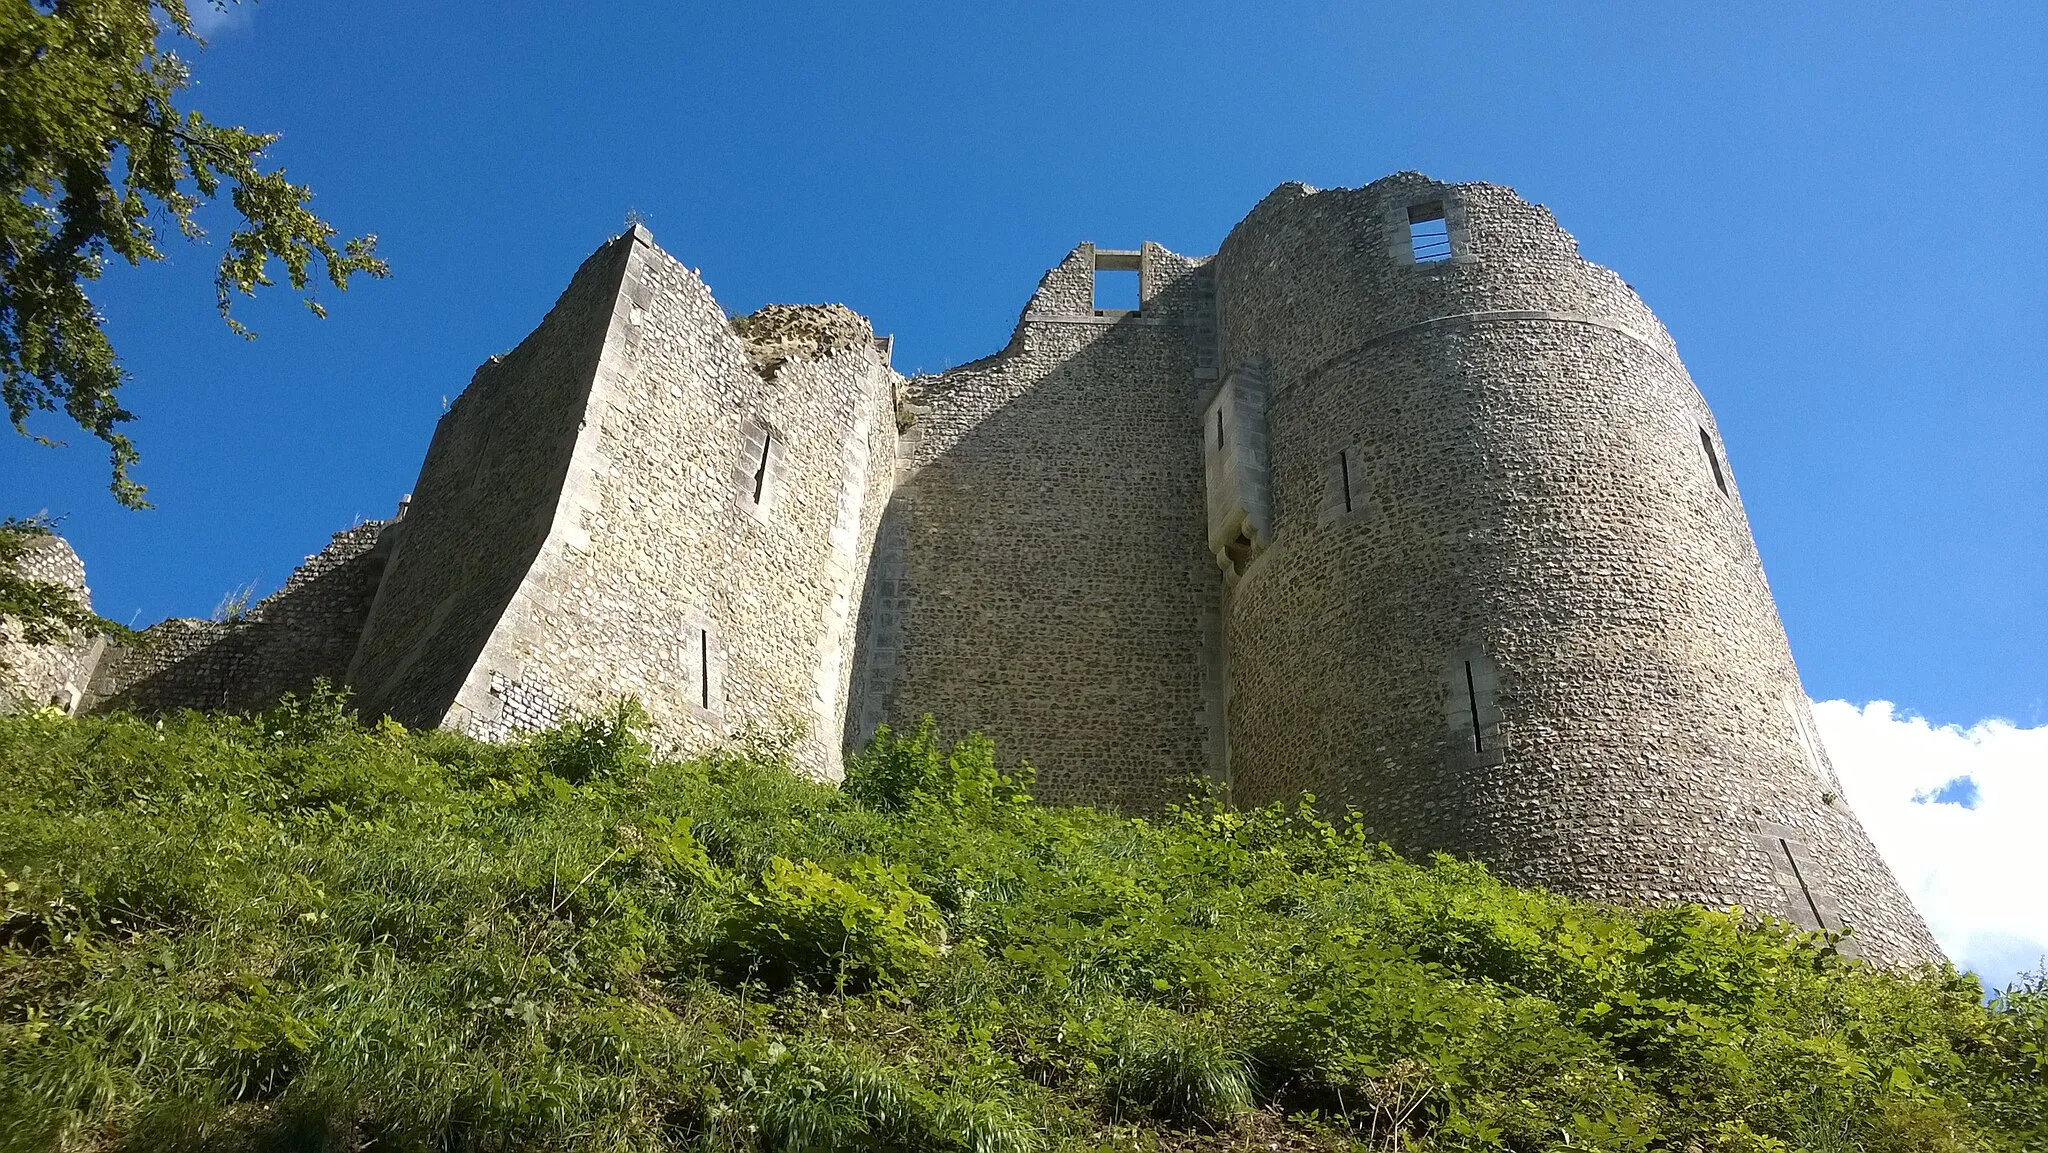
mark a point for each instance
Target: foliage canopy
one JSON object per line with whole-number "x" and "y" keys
{"x": 288, "y": 931}
{"x": 94, "y": 151}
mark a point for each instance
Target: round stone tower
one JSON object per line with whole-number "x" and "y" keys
{"x": 1489, "y": 575}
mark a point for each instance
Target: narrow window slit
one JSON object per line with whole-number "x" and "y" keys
{"x": 1219, "y": 428}
{"x": 761, "y": 472}
{"x": 1714, "y": 461}
{"x": 1799, "y": 875}
{"x": 704, "y": 667}
{"x": 1344, "y": 477}
{"x": 1472, "y": 701}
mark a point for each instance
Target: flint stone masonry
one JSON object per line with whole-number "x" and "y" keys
{"x": 584, "y": 528}
{"x": 1056, "y": 568}
{"x": 1470, "y": 557}
{"x": 305, "y": 631}
{"x": 53, "y": 675}
{"x": 490, "y": 497}
{"x": 1545, "y": 512}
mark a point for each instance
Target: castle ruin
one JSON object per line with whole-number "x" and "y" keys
{"x": 1394, "y": 500}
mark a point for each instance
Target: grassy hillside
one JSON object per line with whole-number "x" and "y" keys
{"x": 292, "y": 933}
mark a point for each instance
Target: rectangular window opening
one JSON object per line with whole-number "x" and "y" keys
{"x": 1344, "y": 478}
{"x": 1714, "y": 461}
{"x": 1472, "y": 700}
{"x": 1116, "y": 289}
{"x": 1429, "y": 233}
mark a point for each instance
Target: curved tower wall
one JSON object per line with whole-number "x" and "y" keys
{"x": 55, "y": 673}
{"x": 1510, "y": 607}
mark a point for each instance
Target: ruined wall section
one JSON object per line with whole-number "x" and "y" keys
{"x": 54, "y": 674}
{"x": 305, "y": 631}
{"x": 1049, "y": 581}
{"x": 1534, "y": 629}
{"x": 712, "y": 529}
{"x": 484, "y": 505}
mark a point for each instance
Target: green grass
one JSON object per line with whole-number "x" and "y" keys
{"x": 293, "y": 933}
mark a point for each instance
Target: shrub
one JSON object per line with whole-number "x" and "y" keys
{"x": 322, "y": 714}
{"x": 807, "y": 924}
{"x": 603, "y": 744}
{"x": 898, "y": 771}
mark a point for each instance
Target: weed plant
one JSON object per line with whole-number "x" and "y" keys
{"x": 292, "y": 932}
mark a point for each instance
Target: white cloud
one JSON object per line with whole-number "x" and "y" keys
{"x": 1961, "y": 815}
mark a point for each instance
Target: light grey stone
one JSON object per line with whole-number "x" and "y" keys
{"x": 1470, "y": 558}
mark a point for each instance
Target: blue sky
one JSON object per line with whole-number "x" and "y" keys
{"x": 1838, "y": 209}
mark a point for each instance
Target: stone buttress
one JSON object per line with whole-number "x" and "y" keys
{"x": 636, "y": 502}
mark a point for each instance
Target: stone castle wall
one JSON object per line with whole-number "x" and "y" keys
{"x": 484, "y": 505}
{"x": 1052, "y": 588}
{"x": 693, "y": 535}
{"x": 1535, "y": 628}
{"x": 305, "y": 631}
{"x": 713, "y": 526}
{"x": 1447, "y": 534}
{"x": 52, "y": 675}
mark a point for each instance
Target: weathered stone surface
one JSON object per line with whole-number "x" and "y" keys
{"x": 637, "y": 502}
{"x": 53, "y": 675}
{"x": 1486, "y": 574}
{"x": 483, "y": 509}
{"x": 305, "y": 631}
{"x": 1055, "y": 582}
{"x": 1546, "y": 641}
{"x": 775, "y": 333}
{"x": 1449, "y": 536}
